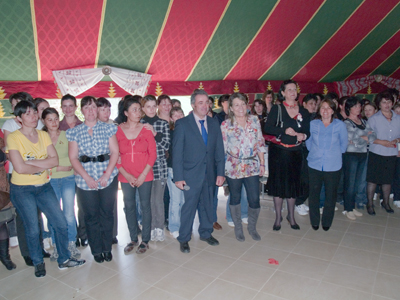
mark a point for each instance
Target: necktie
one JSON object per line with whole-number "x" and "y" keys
{"x": 203, "y": 132}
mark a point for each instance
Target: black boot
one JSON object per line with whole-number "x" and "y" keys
{"x": 5, "y": 255}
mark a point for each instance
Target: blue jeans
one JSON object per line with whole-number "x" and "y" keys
{"x": 244, "y": 205}
{"x": 65, "y": 190}
{"x": 175, "y": 203}
{"x": 27, "y": 199}
{"x": 353, "y": 168}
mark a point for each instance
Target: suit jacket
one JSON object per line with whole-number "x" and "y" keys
{"x": 193, "y": 161}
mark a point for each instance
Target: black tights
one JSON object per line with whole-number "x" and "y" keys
{"x": 278, "y": 202}
{"x": 371, "y": 187}
{"x": 3, "y": 232}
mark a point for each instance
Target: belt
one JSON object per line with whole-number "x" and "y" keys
{"x": 244, "y": 158}
{"x": 101, "y": 158}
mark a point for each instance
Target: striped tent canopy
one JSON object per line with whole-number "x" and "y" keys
{"x": 219, "y": 45}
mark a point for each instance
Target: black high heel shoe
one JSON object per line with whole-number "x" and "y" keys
{"x": 387, "y": 208}
{"x": 277, "y": 227}
{"x": 294, "y": 226}
{"x": 315, "y": 227}
{"x": 371, "y": 210}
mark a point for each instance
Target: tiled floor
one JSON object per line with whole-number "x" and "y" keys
{"x": 354, "y": 260}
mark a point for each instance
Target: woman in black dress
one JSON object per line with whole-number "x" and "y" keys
{"x": 290, "y": 124}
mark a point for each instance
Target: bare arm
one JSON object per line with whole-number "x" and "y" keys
{"x": 73, "y": 152}
{"x": 20, "y": 165}
{"x": 50, "y": 162}
{"x": 114, "y": 153}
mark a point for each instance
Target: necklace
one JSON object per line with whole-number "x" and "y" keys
{"x": 288, "y": 105}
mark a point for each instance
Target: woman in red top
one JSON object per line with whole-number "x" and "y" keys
{"x": 138, "y": 153}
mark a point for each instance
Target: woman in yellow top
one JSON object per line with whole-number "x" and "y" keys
{"x": 62, "y": 178}
{"x": 32, "y": 154}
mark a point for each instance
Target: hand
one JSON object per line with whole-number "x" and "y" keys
{"x": 103, "y": 179}
{"x": 389, "y": 144}
{"x": 92, "y": 184}
{"x": 131, "y": 180}
{"x": 180, "y": 184}
{"x": 364, "y": 137}
{"x": 300, "y": 137}
{"x": 220, "y": 180}
{"x": 64, "y": 168}
{"x": 262, "y": 170}
{"x": 140, "y": 180}
{"x": 290, "y": 131}
{"x": 150, "y": 127}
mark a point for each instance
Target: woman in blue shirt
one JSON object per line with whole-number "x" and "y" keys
{"x": 327, "y": 142}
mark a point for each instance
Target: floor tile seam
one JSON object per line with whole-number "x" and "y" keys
{"x": 175, "y": 264}
{"x": 386, "y": 239}
{"x": 264, "y": 293}
{"x": 350, "y": 288}
{"x": 359, "y": 234}
{"x": 15, "y": 273}
{"x": 365, "y": 250}
{"x": 155, "y": 287}
{"x": 302, "y": 275}
{"x": 202, "y": 273}
{"x": 238, "y": 284}
{"x": 324, "y": 242}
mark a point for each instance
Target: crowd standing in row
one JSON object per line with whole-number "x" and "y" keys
{"x": 326, "y": 150}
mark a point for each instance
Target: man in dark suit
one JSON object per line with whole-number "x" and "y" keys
{"x": 198, "y": 163}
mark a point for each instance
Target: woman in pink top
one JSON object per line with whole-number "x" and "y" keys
{"x": 138, "y": 153}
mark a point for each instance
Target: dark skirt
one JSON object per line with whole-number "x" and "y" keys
{"x": 380, "y": 169}
{"x": 284, "y": 178}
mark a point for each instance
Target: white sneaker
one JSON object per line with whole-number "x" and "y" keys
{"x": 349, "y": 214}
{"x": 13, "y": 242}
{"x": 357, "y": 213}
{"x": 231, "y": 224}
{"x": 160, "y": 235}
{"x": 375, "y": 196}
{"x": 321, "y": 210}
{"x": 336, "y": 208}
{"x": 301, "y": 209}
{"x": 54, "y": 255}
{"x": 396, "y": 203}
{"x": 391, "y": 196}
{"x": 46, "y": 243}
{"x": 153, "y": 235}
{"x": 175, "y": 234}
{"x": 245, "y": 220}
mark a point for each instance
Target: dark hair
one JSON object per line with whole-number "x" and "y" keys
{"x": 223, "y": 98}
{"x": 309, "y": 97}
{"x": 121, "y": 118}
{"x": 332, "y": 96}
{"x": 394, "y": 92}
{"x": 195, "y": 93}
{"x": 322, "y": 97}
{"x": 163, "y": 97}
{"x": 174, "y": 109}
{"x": 147, "y": 98}
{"x": 350, "y": 102}
{"x": 232, "y": 97}
{"x": 37, "y": 101}
{"x": 21, "y": 96}
{"x": 132, "y": 100}
{"x": 283, "y": 88}
{"x": 266, "y": 93}
{"x": 259, "y": 101}
{"x": 343, "y": 100}
{"x": 48, "y": 111}
{"x": 22, "y": 107}
{"x": 175, "y": 101}
{"x": 331, "y": 104}
{"x": 103, "y": 102}
{"x": 383, "y": 95}
{"x": 69, "y": 97}
{"x": 87, "y": 100}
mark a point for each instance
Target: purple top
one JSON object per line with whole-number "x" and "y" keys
{"x": 64, "y": 125}
{"x": 385, "y": 130}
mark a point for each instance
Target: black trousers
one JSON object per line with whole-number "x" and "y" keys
{"x": 251, "y": 185}
{"x": 331, "y": 182}
{"x": 98, "y": 210}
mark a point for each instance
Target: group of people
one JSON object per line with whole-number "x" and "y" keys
{"x": 169, "y": 166}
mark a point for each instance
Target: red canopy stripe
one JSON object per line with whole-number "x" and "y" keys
{"x": 359, "y": 24}
{"x": 378, "y": 58}
{"x": 174, "y": 54}
{"x": 274, "y": 38}
{"x": 76, "y": 24}
{"x": 396, "y": 74}
{"x": 209, "y": 38}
